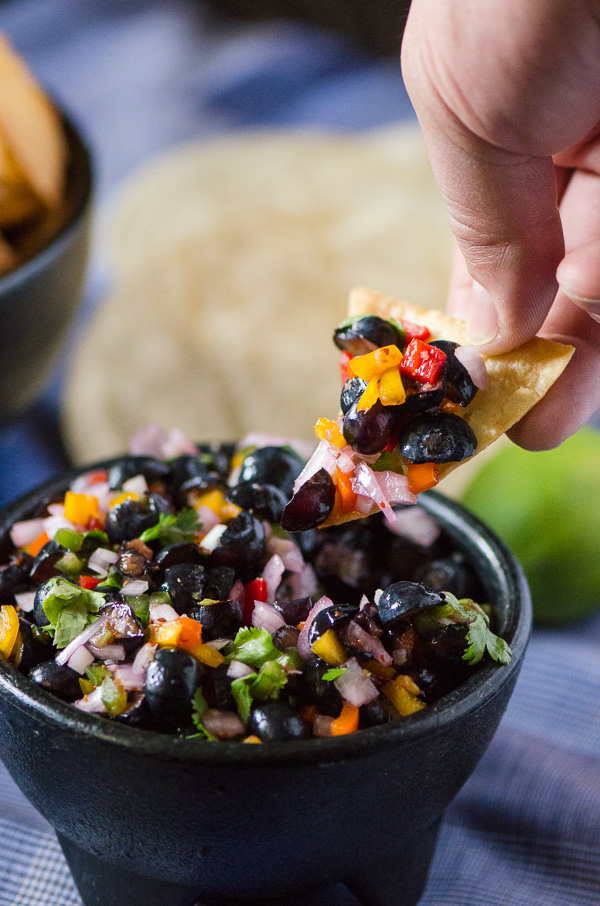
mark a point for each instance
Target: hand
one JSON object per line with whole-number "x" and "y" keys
{"x": 507, "y": 96}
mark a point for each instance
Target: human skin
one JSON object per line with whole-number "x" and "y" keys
{"x": 508, "y": 97}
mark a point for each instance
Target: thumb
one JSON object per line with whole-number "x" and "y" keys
{"x": 503, "y": 212}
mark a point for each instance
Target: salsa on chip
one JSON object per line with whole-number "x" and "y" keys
{"x": 417, "y": 400}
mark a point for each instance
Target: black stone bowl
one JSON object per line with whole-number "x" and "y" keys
{"x": 39, "y": 298}
{"x": 151, "y": 820}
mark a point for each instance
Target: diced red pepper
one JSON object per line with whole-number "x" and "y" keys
{"x": 345, "y": 357}
{"x": 253, "y": 591}
{"x": 422, "y": 362}
{"x": 89, "y": 581}
{"x": 415, "y": 331}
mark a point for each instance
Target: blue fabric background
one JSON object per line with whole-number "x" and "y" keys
{"x": 140, "y": 76}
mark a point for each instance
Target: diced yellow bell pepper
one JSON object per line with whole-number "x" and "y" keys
{"x": 252, "y": 739}
{"x": 80, "y": 508}
{"x": 374, "y": 363}
{"x": 370, "y": 394}
{"x": 214, "y": 500}
{"x": 206, "y": 654}
{"x": 86, "y": 686}
{"x": 9, "y": 629}
{"x": 402, "y": 693}
{"x": 391, "y": 388}
{"x": 166, "y": 634}
{"x": 327, "y": 429}
{"x": 329, "y": 648}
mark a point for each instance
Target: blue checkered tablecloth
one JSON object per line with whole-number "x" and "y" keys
{"x": 141, "y": 75}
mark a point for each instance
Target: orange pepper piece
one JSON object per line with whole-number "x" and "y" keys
{"x": 191, "y": 633}
{"x": 344, "y": 490}
{"x": 422, "y": 476}
{"x": 35, "y": 547}
{"x": 347, "y": 722}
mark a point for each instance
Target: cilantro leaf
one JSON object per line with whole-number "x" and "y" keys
{"x": 261, "y": 686}
{"x": 70, "y": 609}
{"x": 253, "y": 647}
{"x": 199, "y": 706}
{"x": 174, "y": 529}
{"x": 480, "y": 637}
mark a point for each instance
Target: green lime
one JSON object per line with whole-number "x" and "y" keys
{"x": 546, "y": 507}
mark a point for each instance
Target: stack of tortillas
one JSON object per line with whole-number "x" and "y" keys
{"x": 233, "y": 262}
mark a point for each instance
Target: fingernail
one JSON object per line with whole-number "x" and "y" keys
{"x": 482, "y": 323}
{"x": 591, "y": 306}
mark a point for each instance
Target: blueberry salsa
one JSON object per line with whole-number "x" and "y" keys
{"x": 163, "y": 594}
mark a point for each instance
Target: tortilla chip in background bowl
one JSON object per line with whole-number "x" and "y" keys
{"x": 233, "y": 260}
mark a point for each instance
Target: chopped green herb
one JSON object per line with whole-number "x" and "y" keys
{"x": 480, "y": 637}
{"x": 174, "y": 529}
{"x": 253, "y": 647}
{"x": 199, "y": 706}
{"x": 70, "y": 609}
{"x": 261, "y": 686}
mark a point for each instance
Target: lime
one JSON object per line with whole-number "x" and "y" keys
{"x": 546, "y": 507}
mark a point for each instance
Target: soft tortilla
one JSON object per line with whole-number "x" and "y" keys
{"x": 517, "y": 380}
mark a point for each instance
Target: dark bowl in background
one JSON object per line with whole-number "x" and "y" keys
{"x": 152, "y": 820}
{"x": 375, "y": 25}
{"x": 39, "y": 298}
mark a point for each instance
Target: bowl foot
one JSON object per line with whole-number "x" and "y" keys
{"x": 399, "y": 882}
{"x": 102, "y": 884}
{"x": 396, "y": 883}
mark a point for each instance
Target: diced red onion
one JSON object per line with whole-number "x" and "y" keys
{"x": 473, "y": 361}
{"x": 303, "y": 584}
{"x": 395, "y": 486}
{"x": 222, "y": 724}
{"x": 101, "y": 559}
{"x": 53, "y": 523}
{"x": 92, "y": 703}
{"x": 354, "y": 685}
{"x": 135, "y": 587}
{"x": 237, "y": 669}
{"x": 211, "y": 539}
{"x": 162, "y": 611}
{"x": 114, "y": 652}
{"x": 217, "y": 644}
{"x": 320, "y": 459}
{"x": 417, "y": 525}
{"x": 343, "y": 459}
{"x": 25, "y": 600}
{"x": 264, "y": 616}
{"x": 148, "y": 441}
{"x": 364, "y": 602}
{"x": 55, "y": 509}
{"x": 23, "y": 533}
{"x": 80, "y": 659}
{"x": 272, "y": 574}
{"x": 288, "y": 551}
{"x": 354, "y": 633}
{"x": 303, "y": 646}
{"x": 177, "y": 444}
{"x": 129, "y": 678}
{"x": 363, "y": 504}
{"x": 97, "y": 626}
{"x": 207, "y": 517}
{"x": 366, "y": 482}
{"x": 143, "y": 657}
{"x": 137, "y": 484}
{"x": 322, "y": 725}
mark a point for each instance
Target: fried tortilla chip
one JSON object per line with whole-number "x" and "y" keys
{"x": 517, "y": 380}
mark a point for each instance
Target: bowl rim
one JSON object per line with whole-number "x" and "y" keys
{"x": 80, "y": 159}
{"x": 471, "y": 535}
